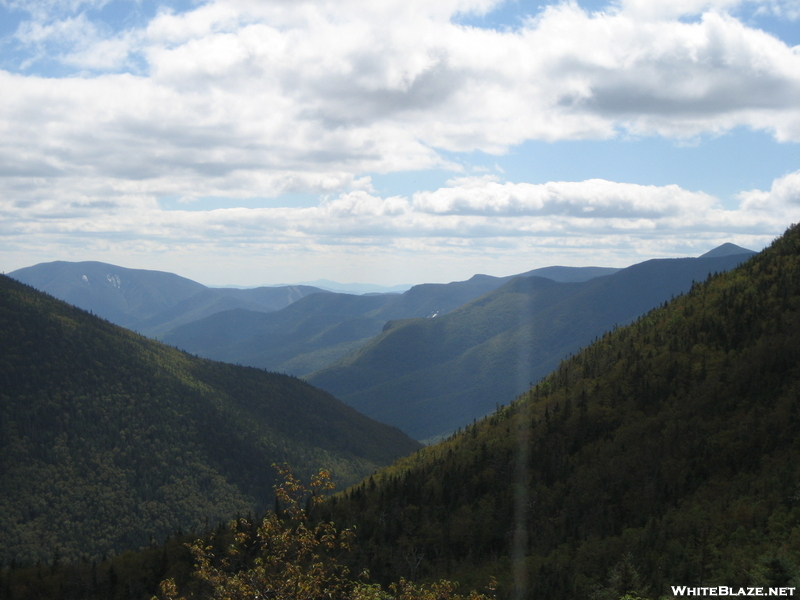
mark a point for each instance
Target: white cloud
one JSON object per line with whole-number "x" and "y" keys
{"x": 245, "y": 99}
{"x": 783, "y": 197}
{"x": 471, "y": 225}
{"x": 594, "y": 199}
{"x": 480, "y": 212}
{"x": 356, "y": 87}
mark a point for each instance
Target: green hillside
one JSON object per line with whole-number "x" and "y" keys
{"x": 431, "y": 376}
{"x": 665, "y": 453}
{"x": 108, "y": 439}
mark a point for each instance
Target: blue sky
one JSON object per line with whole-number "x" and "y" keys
{"x": 249, "y": 142}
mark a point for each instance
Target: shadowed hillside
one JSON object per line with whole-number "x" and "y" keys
{"x": 108, "y": 438}
{"x": 304, "y": 336}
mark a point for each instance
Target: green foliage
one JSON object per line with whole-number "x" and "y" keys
{"x": 109, "y": 440}
{"x": 288, "y": 556}
{"x": 127, "y": 576}
{"x": 672, "y": 442}
{"x": 624, "y": 583}
{"x": 284, "y": 557}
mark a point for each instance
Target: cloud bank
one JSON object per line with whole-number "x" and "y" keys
{"x": 496, "y": 225}
{"x": 259, "y": 98}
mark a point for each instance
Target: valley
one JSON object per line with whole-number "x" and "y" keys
{"x": 428, "y": 361}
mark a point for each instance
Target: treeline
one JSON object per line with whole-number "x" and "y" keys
{"x": 130, "y": 575}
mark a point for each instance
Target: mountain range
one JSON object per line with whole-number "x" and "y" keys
{"x": 150, "y": 302}
{"x": 431, "y": 376}
{"x": 229, "y": 323}
{"x": 665, "y": 453}
{"x": 315, "y": 331}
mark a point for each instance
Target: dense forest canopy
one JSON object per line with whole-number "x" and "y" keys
{"x": 109, "y": 440}
{"x": 667, "y": 448}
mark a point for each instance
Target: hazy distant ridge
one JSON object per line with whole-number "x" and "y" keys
{"x": 317, "y": 330}
{"x": 151, "y": 302}
{"x": 430, "y": 376}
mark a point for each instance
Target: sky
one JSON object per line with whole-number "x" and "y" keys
{"x": 249, "y": 142}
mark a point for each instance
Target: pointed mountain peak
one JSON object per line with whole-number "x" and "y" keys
{"x": 726, "y": 249}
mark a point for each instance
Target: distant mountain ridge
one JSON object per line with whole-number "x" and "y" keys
{"x": 312, "y": 332}
{"x": 431, "y": 376}
{"x": 355, "y": 288}
{"x": 108, "y": 438}
{"x": 230, "y": 324}
{"x": 151, "y": 302}
{"x": 556, "y": 273}
{"x": 726, "y": 249}
{"x": 317, "y": 330}
{"x": 263, "y": 327}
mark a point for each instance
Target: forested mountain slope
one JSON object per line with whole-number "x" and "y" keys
{"x": 431, "y": 376}
{"x": 108, "y": 438}
{"x": 305, "y": 336}
{"x": 665, "y": 453}
{"x": 150, "y": 302}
